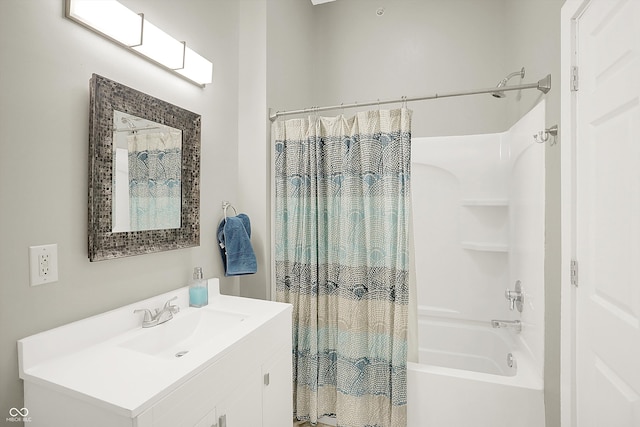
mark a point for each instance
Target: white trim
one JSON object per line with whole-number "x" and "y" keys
{"x": 571, "y": 11}
{"x": 272, "y": 207}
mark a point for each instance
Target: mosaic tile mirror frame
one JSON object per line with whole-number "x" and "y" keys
{"x": 107, "y": 96}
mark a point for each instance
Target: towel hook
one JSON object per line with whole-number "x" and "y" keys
{"x": 225, "y": 206}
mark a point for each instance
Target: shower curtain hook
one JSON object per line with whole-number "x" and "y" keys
{"x": 541, "y": 137}
{"x": 544, "y": 135}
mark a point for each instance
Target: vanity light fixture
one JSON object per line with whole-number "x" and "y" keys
{"x": 116, "y": 22}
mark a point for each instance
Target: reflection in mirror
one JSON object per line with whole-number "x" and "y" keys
{"x": 147, "y": 178}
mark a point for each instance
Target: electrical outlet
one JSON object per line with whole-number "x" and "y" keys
{"x": 43, "y": 264}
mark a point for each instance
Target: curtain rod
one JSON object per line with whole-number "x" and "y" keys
{"x": 543, "y": 85}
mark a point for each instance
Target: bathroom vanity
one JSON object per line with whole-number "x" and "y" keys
{"x": 227, "y": 364}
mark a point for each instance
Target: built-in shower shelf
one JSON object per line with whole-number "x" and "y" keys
{"x": 485, "y": 246}
{"x": 484, "y": 202}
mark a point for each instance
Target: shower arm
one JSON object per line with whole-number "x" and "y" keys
{"x": 504, "y": 81}
{"x": 543, "y": 85}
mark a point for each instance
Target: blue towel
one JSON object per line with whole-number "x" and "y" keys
{"x": 234, "y": 233}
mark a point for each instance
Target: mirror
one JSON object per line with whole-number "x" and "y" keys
{"x": 144, "y": 173}
{"x": 147, "y": 174}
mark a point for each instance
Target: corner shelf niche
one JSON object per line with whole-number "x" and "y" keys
{"x": 484, "y": 224}
{"x": 485, "y": 246}
{"x": 485, "y": 202}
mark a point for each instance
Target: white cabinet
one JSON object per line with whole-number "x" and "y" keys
{"x": 232, "y": 391}
{"x": 240, "y": 379}
{"x": 208, "y": 420}
{"x": 276, "y": 383}
{"x": 213, "y": 393}
{"x": 242, "y": 407}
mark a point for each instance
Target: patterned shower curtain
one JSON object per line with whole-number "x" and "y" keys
{"x": 155, "y": 177}
{"x": 341, "y": 247}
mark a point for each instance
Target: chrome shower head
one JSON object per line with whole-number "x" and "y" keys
{"x": 503, "y": 82}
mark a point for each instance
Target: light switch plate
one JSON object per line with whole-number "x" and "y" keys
{"x": 43, "y": 264}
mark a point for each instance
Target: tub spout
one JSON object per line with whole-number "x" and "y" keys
{"x": 511, "y": 324}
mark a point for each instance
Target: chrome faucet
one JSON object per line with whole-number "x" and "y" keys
{"x": 516, "y": 325}
{"x": 160, "y": 315}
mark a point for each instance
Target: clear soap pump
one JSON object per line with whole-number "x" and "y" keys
{"x": 198, "y": 290}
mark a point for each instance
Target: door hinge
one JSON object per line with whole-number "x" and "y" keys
{"x": 574, "y": 273}
{"x": 574, "y": 78}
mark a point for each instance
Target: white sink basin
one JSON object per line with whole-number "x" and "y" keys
{"x": 187, "y": 330}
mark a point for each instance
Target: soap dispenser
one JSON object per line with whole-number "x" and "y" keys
{"x": 198, "y": 290}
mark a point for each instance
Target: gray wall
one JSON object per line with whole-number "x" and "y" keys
{"x": 291, "y": 53}
{"x": 417, "y": 47}
{"x": 286, "y": 77}
{"x": 253, "y": 182}
{"x": 46, "y": 62}
{"x": 533, "y": 41}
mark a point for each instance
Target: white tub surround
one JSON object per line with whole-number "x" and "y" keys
{"x": 478, "y": 209}
{"x": 230, "y": 360}
{"x": 478, "y": 206}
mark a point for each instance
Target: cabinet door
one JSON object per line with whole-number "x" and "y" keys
{"x": 209, "y": 420}
{"x": 243, "y": 406}
{"x": 277, "y": 392}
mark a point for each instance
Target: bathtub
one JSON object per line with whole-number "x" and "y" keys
{"x": 463, "y": 378}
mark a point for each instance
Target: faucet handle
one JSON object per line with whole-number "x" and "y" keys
{"x": 173, "y": 308}
{"x": 148, "y": 315}
{"x": 516, "y": 297}
{"x": 511, "y": 298}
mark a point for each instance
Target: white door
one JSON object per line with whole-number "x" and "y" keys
{"x": 607, "y": 215}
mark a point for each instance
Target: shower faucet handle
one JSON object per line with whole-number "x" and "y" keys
{"x": 512, "y": 298}
{"x": 516, "y": 297}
